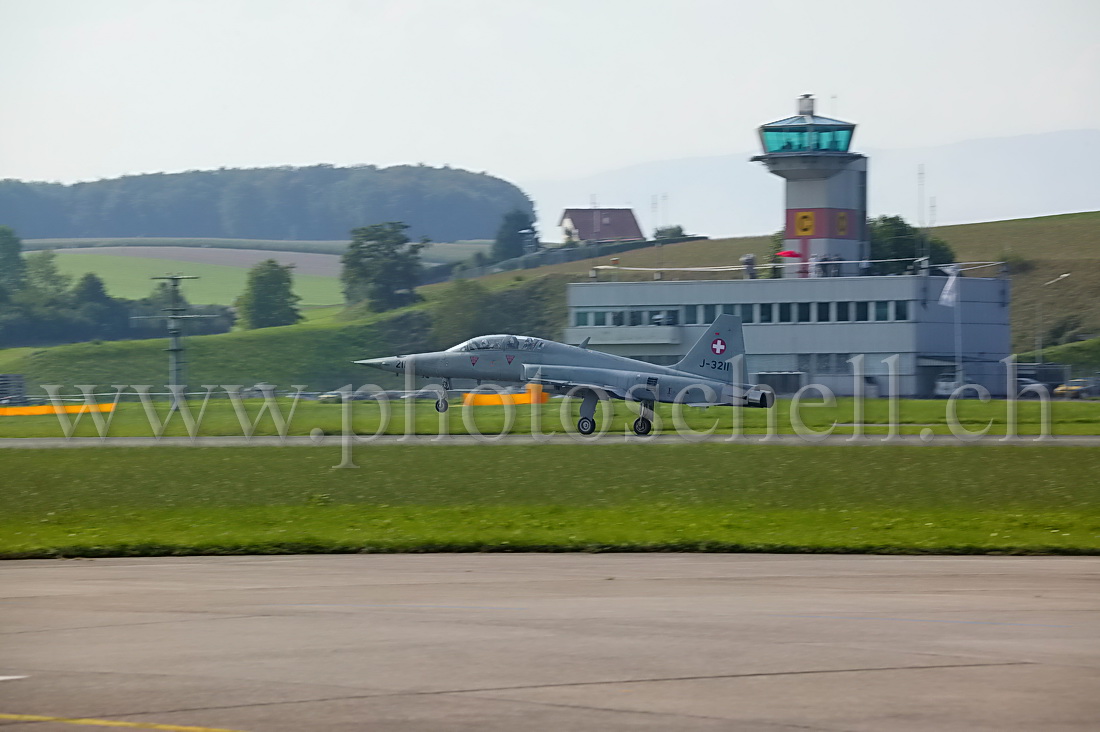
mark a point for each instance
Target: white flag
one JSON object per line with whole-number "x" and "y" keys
{"x": 950, "y": 294}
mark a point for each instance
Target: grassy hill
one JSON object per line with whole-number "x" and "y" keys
{"x": 217, "y": 284}
{"x": 318, "y": 351}
{"x": 1039, "y": 250}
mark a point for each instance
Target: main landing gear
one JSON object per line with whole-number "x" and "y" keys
{"x": 586, "y": 425}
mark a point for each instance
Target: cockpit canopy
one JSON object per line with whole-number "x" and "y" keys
{"x": 500, "y": 343}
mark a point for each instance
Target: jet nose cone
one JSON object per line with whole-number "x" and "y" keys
{"x": 385, "y": 364}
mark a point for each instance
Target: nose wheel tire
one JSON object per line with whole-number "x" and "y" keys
{"x": 586, "y": 425}
{"x": 441, "y": 405}
{"x": 642, "y": 426}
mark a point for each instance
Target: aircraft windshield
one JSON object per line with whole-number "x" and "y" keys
{"x": 500, "y": 343}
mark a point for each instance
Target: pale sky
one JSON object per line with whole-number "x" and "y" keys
{"x": 523, "y": 90}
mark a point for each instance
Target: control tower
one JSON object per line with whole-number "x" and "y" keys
{"x": 826, "y": 186}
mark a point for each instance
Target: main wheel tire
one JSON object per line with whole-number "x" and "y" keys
{"x": 441, "y": 405}
{"x": 586, "y": 425}
{"x": 642, "y": 426}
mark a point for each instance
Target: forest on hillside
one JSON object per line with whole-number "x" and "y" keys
{"x": 317, "y": 202}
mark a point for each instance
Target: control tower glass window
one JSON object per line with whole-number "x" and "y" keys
{"x": 802, "y": 139}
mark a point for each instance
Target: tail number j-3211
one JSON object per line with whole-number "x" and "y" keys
{"x": 715, "y": 364}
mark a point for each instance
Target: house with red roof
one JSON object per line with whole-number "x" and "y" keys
{"x": 600, "y": 224}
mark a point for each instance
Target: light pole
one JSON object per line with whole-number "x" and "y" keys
{"x": 1039, "y": 334}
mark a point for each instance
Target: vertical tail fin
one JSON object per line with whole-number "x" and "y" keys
{"x": 720, "y": 342}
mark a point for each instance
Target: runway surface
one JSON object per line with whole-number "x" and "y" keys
{"x": 40, "y": 443}
{"x": 551, "y": 642}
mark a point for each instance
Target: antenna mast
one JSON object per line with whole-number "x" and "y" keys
{"x": 175, "y": 313}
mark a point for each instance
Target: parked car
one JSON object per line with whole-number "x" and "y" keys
{"x": 946, "y": 384}
{"x": 1075, "y": 389}
{"x": 335, "y": 397}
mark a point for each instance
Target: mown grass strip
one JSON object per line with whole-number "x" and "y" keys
{"x": 156, "y": 501}
{"x": 371, "y": 528}
{"x": 131, "y": 420}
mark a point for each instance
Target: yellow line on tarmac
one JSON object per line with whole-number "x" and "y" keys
{"x": 110, "y": 723}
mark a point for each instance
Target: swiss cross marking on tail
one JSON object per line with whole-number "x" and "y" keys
{"x": 718, "y": 346}
{"x": 473, "y": 360}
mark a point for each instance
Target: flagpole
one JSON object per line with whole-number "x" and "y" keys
{"x": 958, "y": 334}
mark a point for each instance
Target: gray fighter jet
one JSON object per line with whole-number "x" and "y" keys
{"x": 705, "y": 376}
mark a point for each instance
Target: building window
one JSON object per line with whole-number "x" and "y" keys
{"x": 689, "y": 314}
{"x": 823, "y": 312}
{"x": 710, "y": 312}
{"x": 785, "y": 312}
{"x": 765, "y": 312}
{"x": 882, "y": 310}
{"x": 618, "y": 318}
{"x": 804, "y": 362}
{"x": 600, "y": 318}
{"x": 901, "y": 310}
{"x": 636, "y": 317}
{"x": 746, "y": 313}
{"x": 843, "y": 312}
{"x": 580, "y": 318}
{"x": 862, "y": 312}
{"x": 672, "y": 317}
{"x": 823, "y": 363}
{"x": 729, "y": 310}
{"x": 803, "y": 312}
{"x": 842, "y": 365}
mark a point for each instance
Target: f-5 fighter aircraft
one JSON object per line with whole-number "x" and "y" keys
{"x": 703, "y": 378}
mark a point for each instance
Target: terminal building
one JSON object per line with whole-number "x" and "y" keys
{"x": 805, "y": 329}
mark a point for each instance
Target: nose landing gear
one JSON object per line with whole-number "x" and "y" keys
{"x": 643, "y": 425}
{"x": 441, "y": 404}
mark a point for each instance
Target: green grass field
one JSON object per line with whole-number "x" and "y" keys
{"x": 220, "y": 419}
{"x": 154, "y": 501}
{"x": 218, "y": 284}
{"x": 437, "y": 252}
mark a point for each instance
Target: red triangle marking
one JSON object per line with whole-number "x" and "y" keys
{"x": 509, "y": 358}
{"x": 473, "y": 360}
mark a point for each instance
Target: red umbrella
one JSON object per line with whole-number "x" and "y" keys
{"x": 789, "y": 253}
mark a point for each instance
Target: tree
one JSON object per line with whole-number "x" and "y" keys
{"x": 516, "y": 232}
{"x": 268, "y": 299}
{"x": 42, "y": 274}
{"x": 669, "y": 232}
{"x": 463, "y": 310}
{"x": 893, "y": 238}
{"x": 381, "y": 266}
{"x": 90, "y": 289}
{"x": 12, "y": 266}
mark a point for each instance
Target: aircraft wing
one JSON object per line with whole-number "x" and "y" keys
{"x": 562, "y": 379}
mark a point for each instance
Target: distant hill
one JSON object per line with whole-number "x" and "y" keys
{"x": 321, "y": 202}
{"x": 726, "y": 195}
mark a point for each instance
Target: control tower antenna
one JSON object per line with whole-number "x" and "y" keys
{"x": 921, "y": 221}
{"x": 175, "y": 312}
